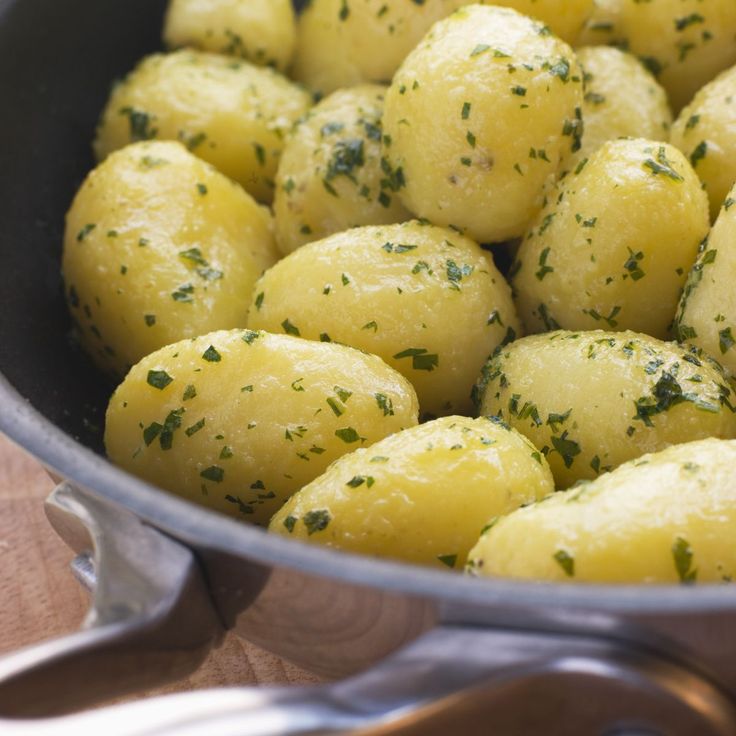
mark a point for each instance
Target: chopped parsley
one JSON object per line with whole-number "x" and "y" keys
{"x": 348, "y": 435}
{"x": 448, "y": 560}
{"x": 682, "y": 555}
{"x": 159, "y": 379}
{"x": 422, "y": 359}
{"x": 358, "y": 480}
{"x": 566, "y": 561}
{"x": 662, "y": 166}
{"x": 214, "y": 473}
{"x": 317, "y": 520}
{"x": 290, "y": 329}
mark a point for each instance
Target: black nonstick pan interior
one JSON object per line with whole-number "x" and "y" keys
{"x": 57, "y": 61}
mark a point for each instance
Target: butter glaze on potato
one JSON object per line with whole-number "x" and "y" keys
{"x": 421, "y": 495}
{"x": 707, "y": 310}
{"x": 427, "y": 300}
{"x": 622, "y": 100}
{"x": 341, "y": 43}
{"x": 227, "y": 111}
{"x": 593, "y": 400}
{"x": 158, "y": 247}
{"x": 330, "y": 176}
{"x": 705, "y": 132}
{"x": 479, "y": 120}
{"x": 668, "y": 517}
{"x": 613, "y": 246}
{"x": 261, "y": 31}
{"x": 238, "y": 421}
{"x": 684, "y": 43}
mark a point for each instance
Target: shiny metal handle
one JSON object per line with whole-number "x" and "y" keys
{"x": 150, "y": 620}
{"x": 451, "y": 681}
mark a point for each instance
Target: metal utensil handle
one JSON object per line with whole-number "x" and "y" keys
{"x": 147, "y": 625}
{"x": 149, "y": 622}
{"x": 449, "y": 681}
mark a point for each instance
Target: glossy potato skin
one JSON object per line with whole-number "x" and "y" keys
{"x": 622, "y": 99}
{"x": 705, "y": 132}
{"x": 421, "y": 495}
{"x": 341, "y": 44}
{"x": 565, "y": 19}
{"x": 707, "y": 311}
{"x": 338, "y": 41}
{"x": 427, "y": 300}
{"x": 261, "y": 31}
{"x": 457, "y": 160}
{"x": 330, "y": 175}
{"x": 159, "y": 246}
{"x": 614, "y": 244}
{"x": 238, "y": 420}
{"x": 594, "y": 400}
{"x": 228, "y": 112}
{"x": 669, "y": 517}
{"x": 684, "y": 43}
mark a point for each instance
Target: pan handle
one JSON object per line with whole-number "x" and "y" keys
{"x": 453, "y": 680}
{"x": 150, "y": 622}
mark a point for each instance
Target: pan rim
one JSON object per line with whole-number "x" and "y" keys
{"x": 60, "y": 452}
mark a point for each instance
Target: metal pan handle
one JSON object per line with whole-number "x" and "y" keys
{"x": 151, "y": 622}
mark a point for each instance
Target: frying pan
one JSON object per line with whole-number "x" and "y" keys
{"x": 420, "y": 651}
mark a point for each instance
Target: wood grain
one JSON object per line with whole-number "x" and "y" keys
{"x": 39, "y": 597}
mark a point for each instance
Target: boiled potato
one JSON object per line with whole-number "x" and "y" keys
{"x": 566, "y": 19}
{"x": 479, "y": 119}
{"x": 614, "y": 244}
{"x": 665, "y": 518}
{"x": 158, "y": 247}
{"x": 337, "y": 39}
{"x": 427, "y": 300}
{"x": 421, "y": 495}
{"x": 684, "y": 43}
{"x": 230, "y": 113}
{"x": 707, "y": 313}
{"x": 622, "y": 99}
{"x": 342, "y": 43}
{"x": 238, "y": 421}
{"x": 330, "y": 176}
{"x": 261, "y": 31}
{"x": 706, "y": 133}
{"x": 593, "y": 400}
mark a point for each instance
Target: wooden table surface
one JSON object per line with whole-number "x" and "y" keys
{"x": 39, "y": 597}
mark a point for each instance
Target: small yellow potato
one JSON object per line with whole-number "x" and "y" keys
{"x": 261, "y": 31}
{"x": 228, "y": 112}
{"x": 614, "y": 244}
{"x": 622, "y": 99}
{"x": 158, "y": 247}
{"x": 427, "y": 300}
{"x": 594, "y": 400}
{"x": 684, "y": 43}
{"x": 422, "y": 495}
{"x": 566, "y": 19}
{"x": 705, "y": 132}
{"x": 665, "y": 518}
{"x": 330, "y": 175}
{"x": 341, "y": 43}
{"x": 238, "y": 421}
{"x": 479, "y": 119}
{"x": 707, "y": 312}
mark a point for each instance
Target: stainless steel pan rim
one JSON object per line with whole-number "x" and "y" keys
{"x": 209, "y": 530}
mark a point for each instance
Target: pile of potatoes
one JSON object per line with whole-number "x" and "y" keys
{"x": 465, "y": 302}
